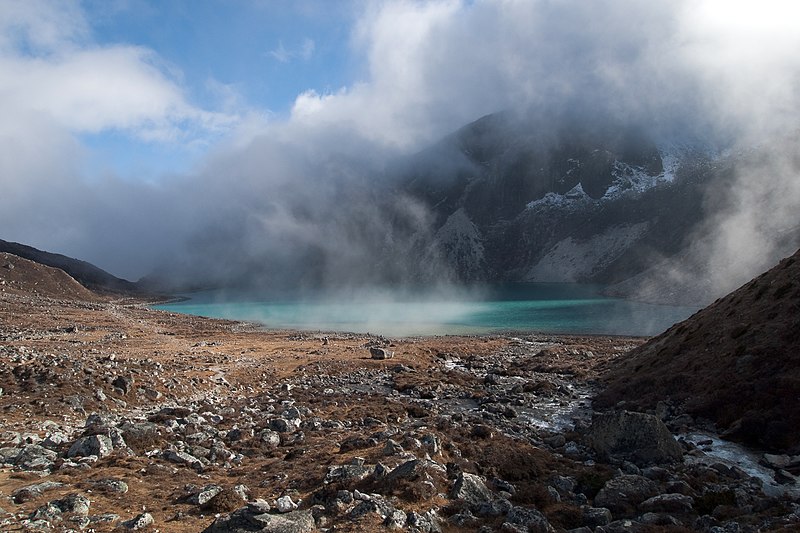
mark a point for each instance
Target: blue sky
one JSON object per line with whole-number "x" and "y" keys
{"x": 225, "y": 55}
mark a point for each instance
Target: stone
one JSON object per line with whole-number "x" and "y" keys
{"x": 623, "y": 493}
{"x": 638, "y": 437}
{"x": 74, "y": 503}
{"x": 270, "y": 438}
{"x": 205, "y": 494}
{"x": 497, "y": 507}
{"x": 351, "y": 472}
{"x": 125, "y": 384}
{"x": 35, "y": 457}
{"x": 380, "y": 353}
{"x": 423, "y": 522}
{"x": 114, "y": 486}
{"x": 245, "y": 521}
{"x": 285, "y": 504}
{"x": 396, "y": 520}
{"x": 530, "y": 518}
{"x": 596, "y": 516}
{"x": 281, "y": 425}
{"x": 31, "y": 492}
{"x": 471, "y": 489}
{"x": 138, "y": 522}
{"x": 668, "y": 503}
{"x": 182, "y": 458}
{"x": 98, "y": 445}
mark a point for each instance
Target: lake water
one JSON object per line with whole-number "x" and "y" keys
{"x": 523, "y": 308}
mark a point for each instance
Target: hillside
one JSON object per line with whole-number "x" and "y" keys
{"x": 21, "y": 276}
{"x": 737, "y": 363}
{"x": 85, "y": 273}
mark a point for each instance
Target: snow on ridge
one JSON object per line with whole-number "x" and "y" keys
{"x": 628, "y": 179}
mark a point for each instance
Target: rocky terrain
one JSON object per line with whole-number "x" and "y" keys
{"x": 120, "y": 418}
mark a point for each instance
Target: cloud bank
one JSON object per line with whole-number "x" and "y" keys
{"x": 725, "y": 73}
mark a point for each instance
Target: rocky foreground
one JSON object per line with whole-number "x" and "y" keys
{"x": 115, "y": 418}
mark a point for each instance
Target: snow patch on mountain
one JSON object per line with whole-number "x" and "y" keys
{"x": 574, "y": 199}
{"x": 572, "y": 260}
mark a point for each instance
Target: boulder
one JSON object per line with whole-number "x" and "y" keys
{"x": 623, "y": 494}
{"x": 99, "y": 445}
{"x": 471, "y": 489}
{"x": 245, "y": 520}
{"x": 31, "y": 492}
{"x": 35, "y": 457}
{"x": 638, "y": 437}
{"x": 668, "y": 503}
{"x": 533, "y": 520}
{"x": 138, "y": 522}
{"x": 380, "y": 353}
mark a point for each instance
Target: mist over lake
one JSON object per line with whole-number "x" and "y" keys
{"x": 523, "y": 308}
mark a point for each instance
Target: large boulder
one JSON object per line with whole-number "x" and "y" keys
{"x": 251, "y": 519}
{"x": 638, "y": 437}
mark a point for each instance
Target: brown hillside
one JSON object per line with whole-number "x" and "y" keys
{"x": 18, "y": 275}
{"x": 736, "y": 362}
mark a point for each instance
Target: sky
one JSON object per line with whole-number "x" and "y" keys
{"x": 133, "y": 127}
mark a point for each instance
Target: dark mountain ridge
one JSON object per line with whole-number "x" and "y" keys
{"x": 86, "y": 274}
{"x": 736, "y": 363}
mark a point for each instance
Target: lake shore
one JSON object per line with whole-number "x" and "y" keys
{"x": 146, "y": 415}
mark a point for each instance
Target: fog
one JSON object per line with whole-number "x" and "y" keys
{"x": 302, "y": 198}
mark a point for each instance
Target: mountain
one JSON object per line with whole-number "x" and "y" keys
{"x": 510, "y": 197}
{"x": 577, "y": 202}
{"x": 22, "y": 276}
{"x": 593, "y": 200}
{"x": 85, "y": 273}
{"x": 736, "y": 362}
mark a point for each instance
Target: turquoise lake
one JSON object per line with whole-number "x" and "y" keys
{"x": 521, "y": 308}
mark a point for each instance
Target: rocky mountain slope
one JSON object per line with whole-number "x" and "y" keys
{"x": 21, "y": 276}
{"x": 736, "y": 363}
{"x": 85, "y": 273}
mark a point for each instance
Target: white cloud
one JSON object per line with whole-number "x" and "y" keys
{"x": 42, "y": 26}
{"x": 285, "y": 55}
{"x": 86, "y": 88}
